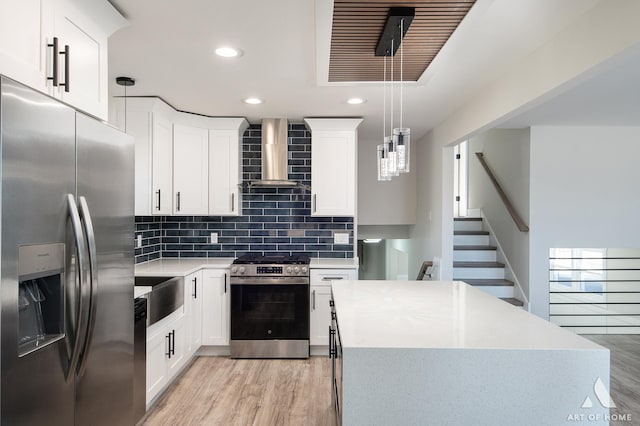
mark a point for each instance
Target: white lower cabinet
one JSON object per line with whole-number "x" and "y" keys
{"x": 215, "y": 307}
{"x": 166, "y": 351}
{"x": 320, "y": 319}
{"x": 193, "y": 296}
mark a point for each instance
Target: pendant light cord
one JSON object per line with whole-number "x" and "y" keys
{"x": 392, "y": 82}
{"x": 384, "y": 100}
{"x": 401, "y": 67}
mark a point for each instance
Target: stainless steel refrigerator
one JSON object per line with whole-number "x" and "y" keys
{"x": 66, "y": 265}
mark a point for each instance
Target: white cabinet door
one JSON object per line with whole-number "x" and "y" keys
{"x": 82, "y": 60}
{"x": 215, "y": 308}
{"x": 24, "y": 34}
{"x": 193, "y": 302}
{"x": 320, "y": 319}
{"x": 178, "y": 335}
{"x": 333, "y": 166}
{"x": 333, "y": 173}
{"x": 190, "y": 170}
{"x": 157, "y": 350}
{"x": 162, "y": 165}
{"x": 224, "y": 177}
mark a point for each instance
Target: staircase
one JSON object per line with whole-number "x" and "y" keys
{"x": 474, "y": 260}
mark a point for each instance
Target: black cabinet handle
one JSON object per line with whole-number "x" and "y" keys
{"x": 195, "y": 287}
{"x": 66, "y": 54}
{"x": 314, "y": 203}
{"x": 158, "y": 206}
{"x": 233, "y": 201}
{"x": 225, "y": 283}
{"x": 168, "y": 337}
{"x": 314, "y": 300}
{"x": 54, "y": 76}
{"x": 173, "y": 344}
{"x": 178, "y": 201}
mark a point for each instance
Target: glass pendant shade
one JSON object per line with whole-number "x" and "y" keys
{"x": 392, "y": 156}
{"x": 383, "y": 169}
{"x": 401, "y": 140}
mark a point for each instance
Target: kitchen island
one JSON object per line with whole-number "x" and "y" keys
{"x": 435, "y": 353}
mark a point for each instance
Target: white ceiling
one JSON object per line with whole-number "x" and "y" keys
{"x": 168, "y": 49}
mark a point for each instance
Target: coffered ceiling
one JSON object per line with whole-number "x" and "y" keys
{"x": 357, "y": 25}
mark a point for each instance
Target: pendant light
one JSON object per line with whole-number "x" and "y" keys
{"x": 393, "y": 155}
{"x": 382, "y": 149}
{"x": 125, "y": 82}
{"x": 402, "y": 135}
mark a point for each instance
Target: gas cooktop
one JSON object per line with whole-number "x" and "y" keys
{"x": 257, "y": 259}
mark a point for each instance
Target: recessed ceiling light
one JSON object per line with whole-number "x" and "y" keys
{"x": 228, "y": 52}
{"x": 356, "y": 101}
{"x": 252, "y": 101}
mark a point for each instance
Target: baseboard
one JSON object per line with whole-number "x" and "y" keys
{"x": 213, "y": 351}
{"x": 320, "y": 350}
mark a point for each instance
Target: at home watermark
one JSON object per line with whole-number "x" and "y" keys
{"x": 604, "y": 398}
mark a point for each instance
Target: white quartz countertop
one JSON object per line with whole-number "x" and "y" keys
{"x": 325, "y": 263}
{"x": 180, "y": 267}
{"x": 440, "y": 314}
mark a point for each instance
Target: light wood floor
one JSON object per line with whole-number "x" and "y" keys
{"x": 625, "y": 374}
{"x": 222, "y": 391}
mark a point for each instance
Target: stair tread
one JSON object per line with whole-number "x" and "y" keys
{"x": 470, "y": 232}
{"x": 513, "y": 301}
{"x": 486, "y": 282}
{"x": 467, "y": 264}
{"x": 467, "y": 219}
{"x": 472, "y": 247}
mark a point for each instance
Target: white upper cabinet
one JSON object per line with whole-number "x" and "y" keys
{"x": 333, "y": 166}
{"x": 60, "y": 47}
{"x": 150, "y": 122}
{"x": 162, "y": 165}
{"x": 190, "y": 170}
{"x": 225, "y": 155}
{"x": 24, "y": 34}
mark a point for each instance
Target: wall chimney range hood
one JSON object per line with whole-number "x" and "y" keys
{"x": 275, "y": 170}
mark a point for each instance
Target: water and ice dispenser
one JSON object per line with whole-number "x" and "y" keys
{"x": 40, "y": 296}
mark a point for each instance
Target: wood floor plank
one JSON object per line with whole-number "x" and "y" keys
{"x": 222, "y": 391}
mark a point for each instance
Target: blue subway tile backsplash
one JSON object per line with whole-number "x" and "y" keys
{"x": 273, "y": 220}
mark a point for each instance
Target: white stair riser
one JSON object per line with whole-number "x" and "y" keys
{"x": 471, "y": 240}
{"x": 478, "y": 273}
{"x": 498, "y": 291}
{"x": 467, "y": 225}
{"x": 474, "y": 255}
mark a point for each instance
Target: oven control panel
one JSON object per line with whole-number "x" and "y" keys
{"x": 272, "y": 270}
{"x": 269, "y": 270}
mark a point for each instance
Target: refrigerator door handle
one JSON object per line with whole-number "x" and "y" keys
{"x": 85, "y": 215}
{"x": 81, "y": 248}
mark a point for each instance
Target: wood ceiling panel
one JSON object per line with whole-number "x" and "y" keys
{"x": 357, "y": 26}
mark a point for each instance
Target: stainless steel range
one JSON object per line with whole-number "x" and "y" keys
{"x": 270, "y": 307}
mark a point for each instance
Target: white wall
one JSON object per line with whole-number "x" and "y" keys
{"x": 384, "y": 203}
{"x": 596, "y": 41}
{"x": 432, "y": 236}
{"x": 507, "y": 152}
{"x": 583, "y": 193}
